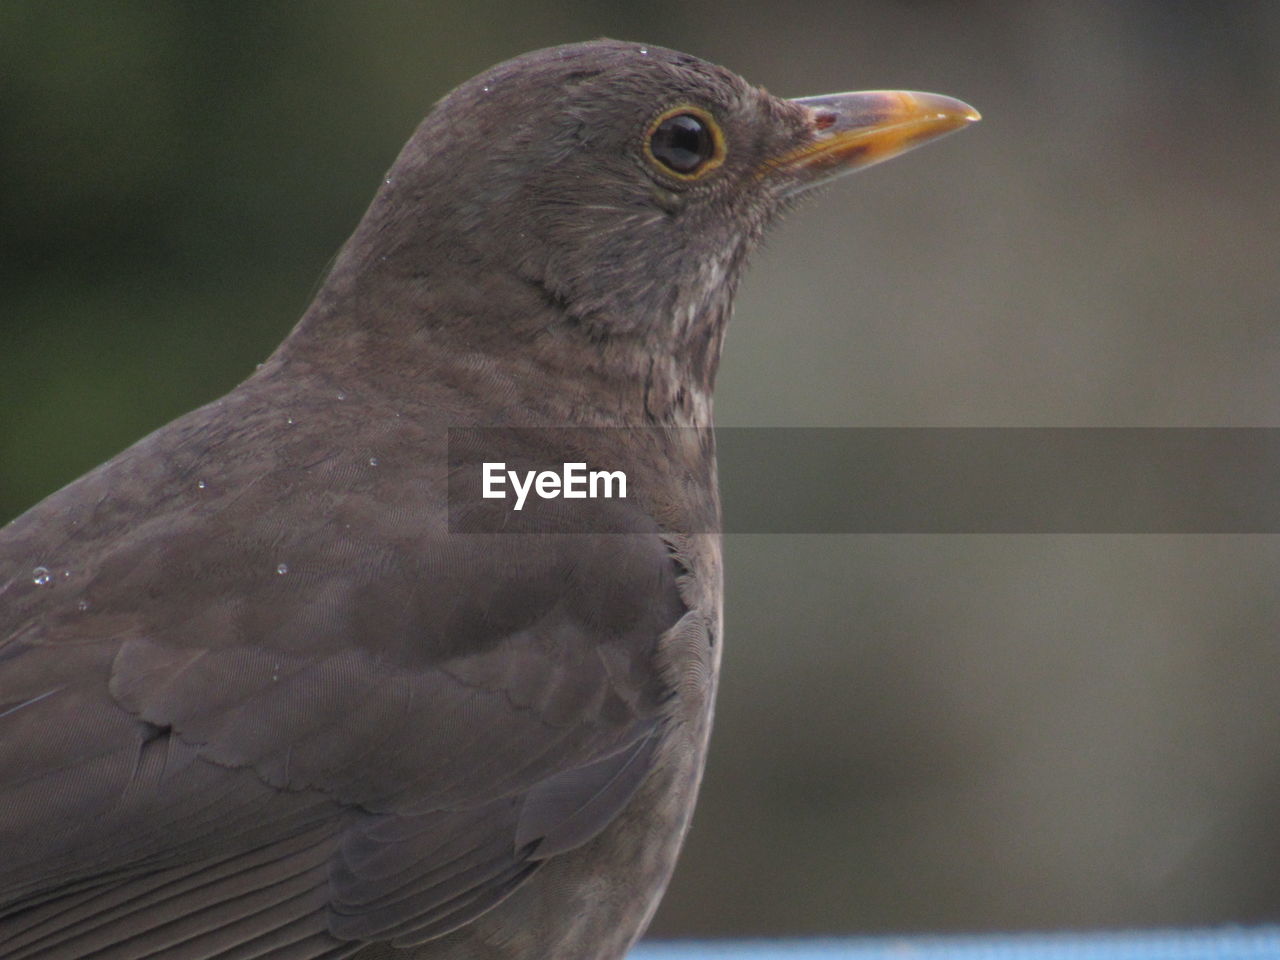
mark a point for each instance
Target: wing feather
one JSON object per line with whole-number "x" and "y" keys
{"x": 202, "y": 758}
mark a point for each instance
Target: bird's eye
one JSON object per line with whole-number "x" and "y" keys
{"x": 682, "y": 142}
{"x": 685, "y": 142}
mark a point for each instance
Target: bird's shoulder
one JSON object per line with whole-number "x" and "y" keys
{"x": 282, "y": 555}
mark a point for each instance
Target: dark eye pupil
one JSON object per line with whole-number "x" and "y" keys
{"x": 682, "y": 143}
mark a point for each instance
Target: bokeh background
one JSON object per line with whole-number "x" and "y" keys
{"x": 915, "y": 732}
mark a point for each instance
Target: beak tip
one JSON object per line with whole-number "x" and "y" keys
{"x": 949, "y": 109}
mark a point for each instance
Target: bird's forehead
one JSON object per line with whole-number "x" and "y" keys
{"x": 620, "y": 74}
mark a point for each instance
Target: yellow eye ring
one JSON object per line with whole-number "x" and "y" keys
{"x": 684, "y": 142}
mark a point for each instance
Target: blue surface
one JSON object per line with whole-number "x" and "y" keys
{"x": 1226, "y": 944}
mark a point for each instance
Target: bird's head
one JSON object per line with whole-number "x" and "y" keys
{"x": 621, "y": 185}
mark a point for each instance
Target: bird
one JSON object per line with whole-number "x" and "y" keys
{"x": 259, "y": 696}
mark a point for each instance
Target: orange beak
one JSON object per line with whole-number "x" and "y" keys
{"x": 852, "y": 131}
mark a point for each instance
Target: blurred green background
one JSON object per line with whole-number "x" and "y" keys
{"x": 915, "y": 732}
